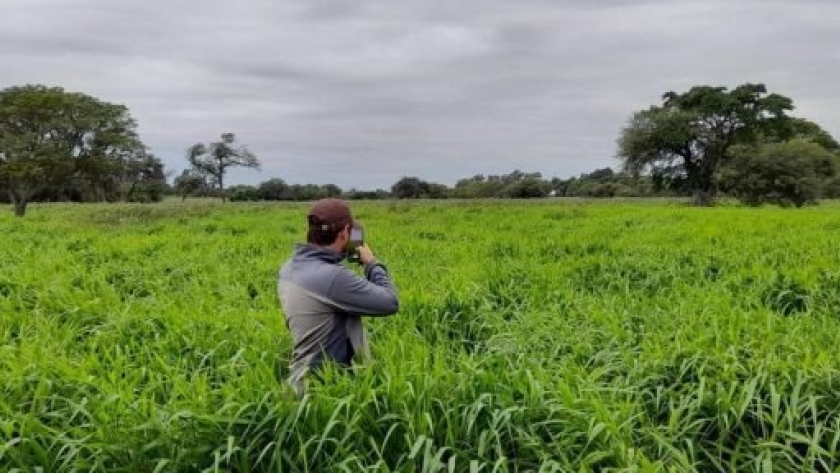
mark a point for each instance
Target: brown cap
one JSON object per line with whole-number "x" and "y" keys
{"x": 330, "y": 214}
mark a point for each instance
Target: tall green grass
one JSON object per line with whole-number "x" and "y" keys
{"x": 532, "y": 337}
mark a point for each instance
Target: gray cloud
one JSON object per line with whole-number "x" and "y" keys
{"x": 360, "y": 93}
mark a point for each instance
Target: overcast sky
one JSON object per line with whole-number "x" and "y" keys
{"x": 359, "y": 93}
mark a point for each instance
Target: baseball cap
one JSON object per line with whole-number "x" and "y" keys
{"x": 330, "y": 215}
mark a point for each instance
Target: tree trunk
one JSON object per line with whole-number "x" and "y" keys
{"x": 130, "y": 193}
{"x": 20, "y": 206}
{"x": 222, "y": 188}
{"x": 20, "y": 198}
{"x": 702, "y": 198}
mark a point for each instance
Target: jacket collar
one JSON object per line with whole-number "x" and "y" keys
{"x": 307, "y": 252}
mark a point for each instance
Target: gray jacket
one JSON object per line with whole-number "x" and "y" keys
{"x": 323, "y": 303}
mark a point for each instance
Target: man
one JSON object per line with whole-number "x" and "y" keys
{"x": 323, "y": 301}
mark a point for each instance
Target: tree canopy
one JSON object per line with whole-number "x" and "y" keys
{"x": 688, "y": 137}
{"x": 55, "y": 140}
{"x": 215, "y": 158}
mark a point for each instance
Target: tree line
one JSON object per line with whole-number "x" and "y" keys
{"x": 756, "y": 186}
{"x": 705, "y": 143}
{"x": 56, "y": 145}
{"x": 518, "y": 185}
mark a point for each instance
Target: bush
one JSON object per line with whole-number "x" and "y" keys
{"x": 790, "y": 173}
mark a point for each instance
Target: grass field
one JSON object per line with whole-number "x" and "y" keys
{"x": 548, "y": 336}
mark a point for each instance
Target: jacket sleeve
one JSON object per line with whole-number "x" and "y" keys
{"x": 373, "y": 295}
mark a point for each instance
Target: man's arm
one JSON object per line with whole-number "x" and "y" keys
{"x": 375, "y": 295}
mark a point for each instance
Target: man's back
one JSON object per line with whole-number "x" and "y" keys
{"x": 323, "y": 303}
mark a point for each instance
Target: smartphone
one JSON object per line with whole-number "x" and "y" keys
{"x": 357, "y": 236}
{"x": 357, "y": 239}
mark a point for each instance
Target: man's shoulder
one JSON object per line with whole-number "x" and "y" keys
{"x": 313, "y": 275}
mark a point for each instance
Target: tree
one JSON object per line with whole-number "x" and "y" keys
{"x": 603, "y": 174}
{"x": 516, "y": 184}
{"x": 528, "y": 188}
{"x": 832, "y": 188}
{"x": 142, "y": 179}
{"x": 436, "y": 191}
{"x": 409, "y": 188}
{"x": 190, "y": 182}
{"x": 690, "y": 134}
{"x": 331, "y": 190}
{"x": 244, "y": 193}
{"x": 309, "y": 192}
{"x": 810, "y": 131}
{"x": 793, "y": 172}
{"x": 215, "y": 158}
{"x": 479, "y": 187}
{"x": 378, "y": 194}
{"x": 274, "y": 189}
{"x": 52, "y": 139}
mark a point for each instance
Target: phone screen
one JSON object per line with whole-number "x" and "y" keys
{"x": 356, "y": 235}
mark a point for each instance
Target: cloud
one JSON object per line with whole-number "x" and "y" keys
{"x": 360, "y": 93}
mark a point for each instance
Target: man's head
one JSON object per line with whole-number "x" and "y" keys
{"x": 330, "y": 221}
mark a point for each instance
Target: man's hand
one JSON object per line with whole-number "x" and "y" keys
{"x": 365, "y": 255}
